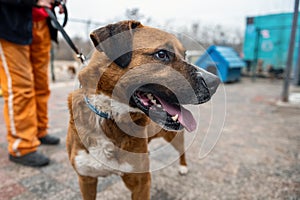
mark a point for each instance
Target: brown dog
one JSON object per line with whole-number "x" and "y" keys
{"x": 135, "y": 83}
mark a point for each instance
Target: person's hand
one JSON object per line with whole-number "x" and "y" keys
{"x": 61, "y": 8}
{"x": 44, "y": 3}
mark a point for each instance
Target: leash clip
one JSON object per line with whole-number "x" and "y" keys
{"x": 81, "y": 57}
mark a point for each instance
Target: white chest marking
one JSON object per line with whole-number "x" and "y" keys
{"x": 99, "y": 163}
{"x": 100, "y": 160}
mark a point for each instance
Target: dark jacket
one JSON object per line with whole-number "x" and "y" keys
{"x": 16, "y": 21}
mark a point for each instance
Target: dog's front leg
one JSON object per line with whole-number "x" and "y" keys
{"x": 138, "y": 184}
{"x": 88, "y": 187}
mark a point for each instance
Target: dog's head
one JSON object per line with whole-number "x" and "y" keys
{"x": 145, "y": 68}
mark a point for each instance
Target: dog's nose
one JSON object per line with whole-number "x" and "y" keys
{"x": 212, "y": 81}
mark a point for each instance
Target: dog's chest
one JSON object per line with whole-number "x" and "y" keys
{"x": 100, "y": 158}
{"x": 90, "y": 164}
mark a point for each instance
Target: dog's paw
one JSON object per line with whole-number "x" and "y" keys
{"x": 183, "y": 170}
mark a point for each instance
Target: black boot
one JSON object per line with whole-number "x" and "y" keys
{"x": 33, "y": 159}
{"x": 48, "y": 139}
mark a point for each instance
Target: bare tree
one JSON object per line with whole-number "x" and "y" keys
{"x": 135, "y": 14}
{"x": 209, "y": 34}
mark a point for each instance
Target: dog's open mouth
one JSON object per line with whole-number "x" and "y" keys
{"x": 171, "y": 116}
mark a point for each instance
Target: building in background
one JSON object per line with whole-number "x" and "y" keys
{"x": 267, "y": 41}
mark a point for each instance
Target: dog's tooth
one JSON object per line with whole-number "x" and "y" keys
{"x": 175, "y": 117}
{"x": 153, "y": 101}
{"x": 150, "y": 96}
{"x": 158, "y": 105}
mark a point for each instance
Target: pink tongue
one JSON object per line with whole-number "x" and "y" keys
{"x": 144, "y": 100}
{"x": 185, "y": 117}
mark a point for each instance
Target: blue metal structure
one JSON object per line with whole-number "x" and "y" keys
{"x": 267, "y": 38}
{"x": 222, "y": 61}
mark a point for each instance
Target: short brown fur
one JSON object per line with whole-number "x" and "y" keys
{"x": 102, "y": 76}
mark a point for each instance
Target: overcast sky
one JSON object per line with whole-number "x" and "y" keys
{"x": 230, "y": 13}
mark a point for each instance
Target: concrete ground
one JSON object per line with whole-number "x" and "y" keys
{"x": 256, "y": 155}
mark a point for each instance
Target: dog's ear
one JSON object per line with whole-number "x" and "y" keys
{"x": 115, "y": 40}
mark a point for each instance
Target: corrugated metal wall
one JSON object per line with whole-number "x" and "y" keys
{"x": 267, "y": 39}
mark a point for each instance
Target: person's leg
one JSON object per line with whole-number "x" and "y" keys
{"x": 40, "y": 57}
{"x": 19, "y": 107}
{"x": 0, "y": 89}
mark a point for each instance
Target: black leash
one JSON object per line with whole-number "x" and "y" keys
{"x": 78, "y": 54}
{"x": 59, "y": 27}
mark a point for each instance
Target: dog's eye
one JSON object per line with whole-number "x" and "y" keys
{"x": 162, "y": 55}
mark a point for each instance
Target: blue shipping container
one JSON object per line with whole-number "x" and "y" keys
{"x": 267, "y": 38}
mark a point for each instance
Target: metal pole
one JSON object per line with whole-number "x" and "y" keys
{"x": 256, "y": 49}
{"x": 297, "y": 68}
{"x": 289, "y": 63}
{"x": 88, "y": 24}
{"x": 52, "y": 63}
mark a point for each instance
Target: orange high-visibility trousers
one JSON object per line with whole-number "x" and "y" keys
{"x": 24, "y": 81}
